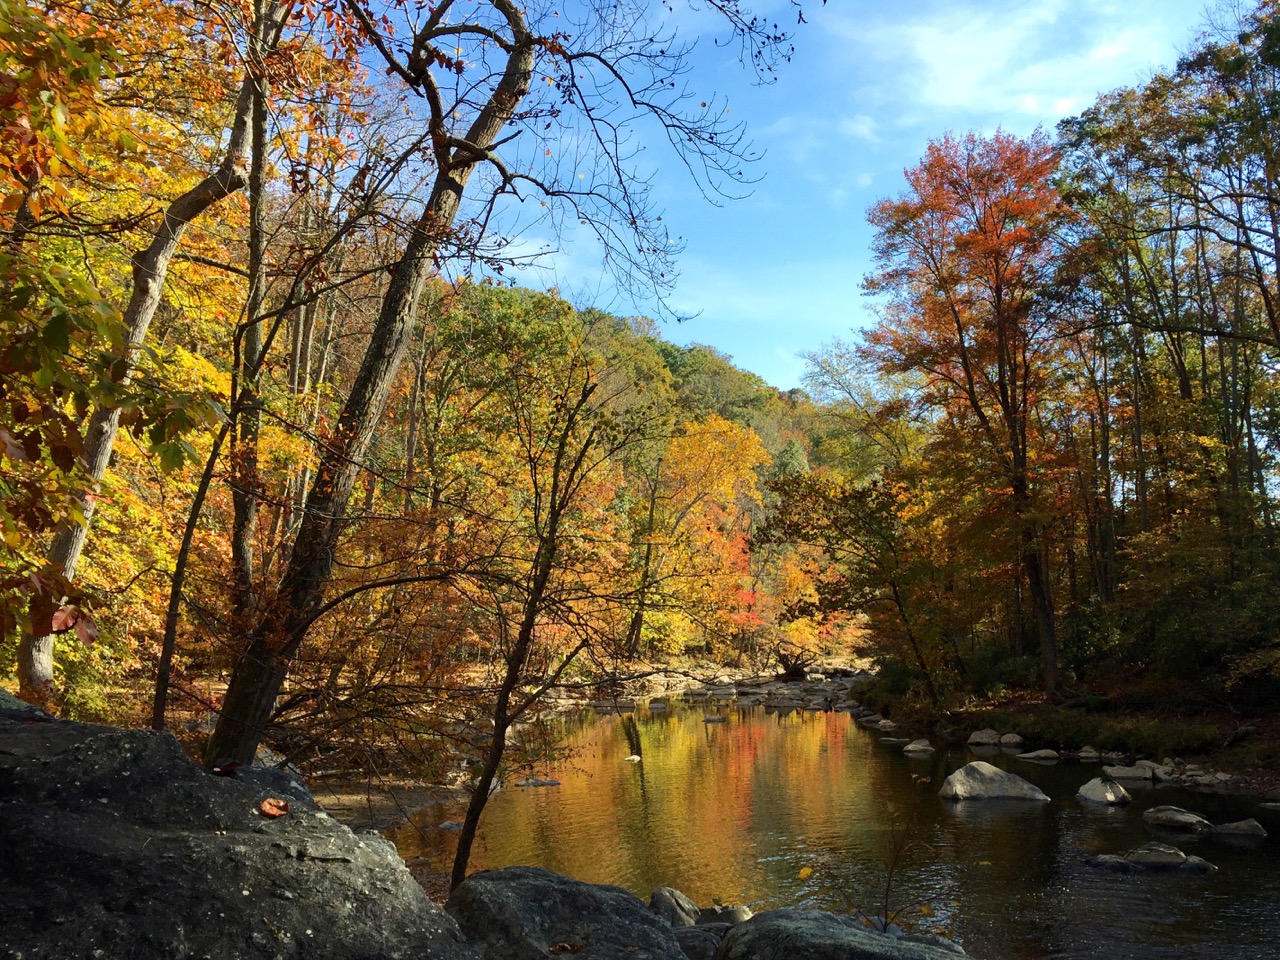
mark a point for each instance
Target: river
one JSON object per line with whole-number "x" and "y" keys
{"x": 805, "y": 808}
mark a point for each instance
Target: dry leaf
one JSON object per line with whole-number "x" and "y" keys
{"x": 273, "y": 807}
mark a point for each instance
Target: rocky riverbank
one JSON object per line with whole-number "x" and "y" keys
{"x": 117, "y": 845}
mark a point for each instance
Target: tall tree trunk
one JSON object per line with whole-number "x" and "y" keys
{"x": 281, "y": 624}
{"x": 244, "y": 439}
{"x": 150, "y": 268}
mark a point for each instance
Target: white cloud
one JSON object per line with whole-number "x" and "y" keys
{"x": 859, "y": 127}
{"x": 1025, "y": 63}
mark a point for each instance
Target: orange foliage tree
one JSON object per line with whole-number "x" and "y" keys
{"x": 967, "y": 256}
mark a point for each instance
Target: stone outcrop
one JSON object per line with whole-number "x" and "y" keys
{"x": 527, "y": 913}
{"x": 117, "y": 845}
{"x": 980, "y": 780}
{"x": 812, "y": 935}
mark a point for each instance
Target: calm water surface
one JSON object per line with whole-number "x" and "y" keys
{"x": 801, "y": 809}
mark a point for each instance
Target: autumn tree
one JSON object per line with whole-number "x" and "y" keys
{"x": 967, "y": 256}
{"x": 518, "y": 103}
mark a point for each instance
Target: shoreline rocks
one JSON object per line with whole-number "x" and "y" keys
{"x": 119, "y": 846}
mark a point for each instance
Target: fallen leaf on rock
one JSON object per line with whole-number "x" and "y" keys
{"x": 273, "y": 807}
{"x": 564, "y": 947}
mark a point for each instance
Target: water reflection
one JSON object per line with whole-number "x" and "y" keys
{"x": 774, "y": 809}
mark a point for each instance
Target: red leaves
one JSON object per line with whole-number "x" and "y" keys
{"x": 46, "y": 616}
{"x": 558, "y": 948}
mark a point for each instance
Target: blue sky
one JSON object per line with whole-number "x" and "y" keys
{"x": 778, "y": 273}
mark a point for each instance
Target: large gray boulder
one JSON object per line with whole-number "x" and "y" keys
{"x": 527, "y": 913}
{"x": 117, "y": 845}
{"x": 980, "y": 780}
{"x": 814, "y": 935}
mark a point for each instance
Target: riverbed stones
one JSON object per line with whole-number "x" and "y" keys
{"x": 538, "y": 782}
{"x": 1011, "y": 740}
{"x": 1089, "y": 755}
{"x": 715, "y": 718}
{"x": 813, "y": 935}
{"x": 980, "y": 780}
{"x": 1099, "y": 791}
{"x": 918, "y": 748}
{"x": 117, "y": 845}
{"x": 674, "y": 907}
{"x": 527, "y": 913}
{"x": 1175, "y": 818}
{"x": 984, "y": 738}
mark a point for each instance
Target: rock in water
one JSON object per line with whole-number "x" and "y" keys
{"x": 918, "y": 748}
{"x": 727, "y": 915}
{"x": 527, "y": 913}
{"x": 1096, "y": 791}
{"x": 1175, "y": 818}
{"x": 117, "y": 845}
{"x": 813, "y": 935}
{"x": 984, "y": 738}
{"x": 1040, "y": 756}
{"x": 1157, "y": 856}
{"x": 1153, "y": 856}
{"x": 1250, "y": 828}
{"x": 1129, "y": 773}
{"x": 980, "y": 780}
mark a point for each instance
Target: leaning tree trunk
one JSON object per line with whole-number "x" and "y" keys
{"x": 281, "y": 623}
{"x": 150, "y": 267}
